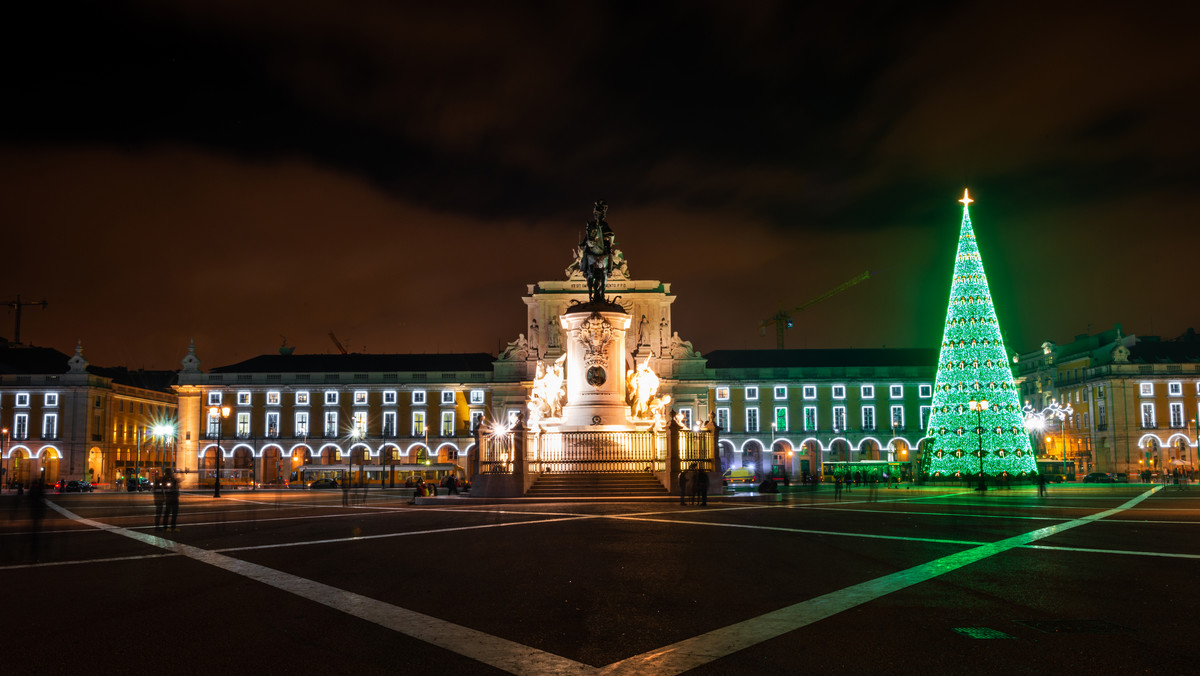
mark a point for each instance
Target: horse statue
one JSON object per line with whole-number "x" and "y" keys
{"x": 596, "y": 253}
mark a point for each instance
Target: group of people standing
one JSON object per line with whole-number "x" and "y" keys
{"x": 699, "y": 486}
{"x": 166, "y": 500}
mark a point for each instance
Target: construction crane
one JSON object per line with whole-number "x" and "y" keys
{"x": 337, "y": 342}
{"x": 783, "y": 320}
{"x": 17, "y": 305}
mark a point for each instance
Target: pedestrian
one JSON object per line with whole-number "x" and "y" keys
{"x": 171, "y": 499}
{"x": 837, "y": 487}
{"x": 1041, "y": 480}
{"x": 683, "y": 487}
{"x": 160, "y": 497}
{"x": 451, "y": 485}
{"x": 701, "y": 482}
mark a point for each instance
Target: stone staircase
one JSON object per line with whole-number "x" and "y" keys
{"x": 615, "y": 485}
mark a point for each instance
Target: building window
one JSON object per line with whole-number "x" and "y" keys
{"x": 272, "y": 398}
{"x": 360, "y": 424}
{"x": 214, "y": 424}
{"x": 925, "y": 412}
{"x": 810, "y": 418}
{"x": 925, "y": 390}
{"x": 781, "y": 419}
{"x": 1177, "y": 414}
{"x": 418, "y": 397}
{"x": 214, "y": 398}
{"x": 867, "y": 391}
{"x": 1148, "y": 416}
{"x": 752, "y": 419}
{"x": 302, "y": 423}
{"x": 897, "y": 392}
{"x": 751, "y": 393}
{"x": 243, "y": 425}
{"x": 839, "y": 418}
{"x": 389, "y": 424}
{"x": 418, "y": 424}
{"x": 1101, "y": 416}
{"x": 447, "y": 396}
{"x": 50, "y": 426}
{"x": 476, "y": 397}
{"x": 868, "y": 418}
{"x": 331, "y": 397}
{"x": 1174, "y": 389}
{"x": 21, "y": 426}
{"x": 781, "y": 393}
{"x": 723, "y": 418}
{"x": 360, "y": 397}
{"x": 331, "y": 424}
{"x": 722, "y": 394}
{"x": 476, "y": 417}
{"x": 302, "y": 398}
{"x": 839, "y": 391}
{"x": 448, "y": 422}
{"x": 243, "y": 398}
{"x": 389, "y": 397}
{"x": 23, "y": 399}
{"x": 810, "y": 391}
{"x": 685, "y": 418}
{"x": 1147, "y": 389}
{"x": 50, "y": 400}
{"x": 898, "y": 417}
{"x": 273, "y": 424}
{"x": 511, "y": 416}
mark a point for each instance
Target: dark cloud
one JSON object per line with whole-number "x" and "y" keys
{"x": 397, "y": 172}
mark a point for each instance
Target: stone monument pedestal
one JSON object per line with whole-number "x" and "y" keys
{"x": 595, "y": 367}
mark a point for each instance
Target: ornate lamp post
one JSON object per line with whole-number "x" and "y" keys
{"x": 220, "y": 414}
{"x": 164, "y": 435}
{"x": 1036, "y": 421}
{"x": 979, "y": 407}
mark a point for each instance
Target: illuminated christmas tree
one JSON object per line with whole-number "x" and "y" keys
{"x": 973, "y": 368}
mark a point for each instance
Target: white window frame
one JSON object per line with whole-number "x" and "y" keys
{"x": 894, "y": 410}
{"x": 476, "y": 420}
{"x": 20, "y": 426}
{"x": 839, "y": 391}
{"x": 685, "y": 415}
{"x": 1175, "y": 388}
{"x": 331, "y": 397}
{"x": 813, "y": 418}
{"x": 447, "y": 396}
{"x": 50, "y": 400}
{"x": 418, "y": 397}
{"x": 926, "y": 412}
{"x": 360, "y": 398}
{"x": 302, "y": 398}
{"x": 868, "y": 412}
{"x": 781, "y": 392}
{"x": 358, "y": 423}
{"x": 390, "y": 422}
{"x": 49, "y": 425}
{"x": 477, "y": 397}
{"x": 780, "y": 426}
{"x": 866, "y": 392}
{"x": 1148, "y": 421}
{"x": 330, "y": 426}
{"x": 1177, "y": 414}
{"x": 1146, "y": 389}
{"x": 896, "y": 391}
{"x": 723, "y": 414}
{"x": 448, "y": 427}
{"x": 751, "y": 393}
{"x": 273, "y": 398}
{"x": 243, "y": 425}
{"x": 839, "y": 419}
{"x": 418, "y": 423}
{"x": 925, "y": 390}
{"x": 390, "y": 397}
{"x": 722, "y": 393}
{"x": 22, "y": 400}
{"x": 214, "y": 398}
{"x": 213, "y": 427}
{"x": 751, "y": 420}
{"x": 809, "y": 391}
{"x": 272, "y": 416}
{"x": 243, "y": 398}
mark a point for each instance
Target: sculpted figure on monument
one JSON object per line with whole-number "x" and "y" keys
{"x": 596, "y": 253}
{"x": 517, "y": 350}
{"x": 545, "y": 398}
{"x": 533, "y": 337}
{"x": 681, "y": 349}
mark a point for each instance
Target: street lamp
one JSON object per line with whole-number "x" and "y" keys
{"x": 220, "y": 414}
{"x": 979, "y": 407}
{"x": 163, "y": 434}
{"x": 3, "y": 446}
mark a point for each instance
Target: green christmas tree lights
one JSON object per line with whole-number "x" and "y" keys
{"x": 973, "y": 367}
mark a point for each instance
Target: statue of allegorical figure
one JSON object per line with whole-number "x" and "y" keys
{"x": 546, "y": 396}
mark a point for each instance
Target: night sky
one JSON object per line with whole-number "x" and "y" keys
{"x": 239, "y": 172}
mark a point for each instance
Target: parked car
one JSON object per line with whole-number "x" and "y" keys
{"x": 740, "y": 475}
{"x": 78, "y": 487}
{"x": 324, "y": 483}
{"x": 1122, "y": 478}
{"x": 1099, "y": 478}
{"x": 139, "y": 484}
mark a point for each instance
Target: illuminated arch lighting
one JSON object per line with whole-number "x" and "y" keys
{"x": 1177, "y": 435}
{"x": 264, "y": 448}
{"x": 409, "y": 451}
{"x": 42, "y": 451}
{"x": 866, "y": 439}
{"x": 1142, "y": 441}
{"x": 470, "y": 449}
{"x": 245, "y": 446}
{"x": 727, "y": 444}
{"x": 204, "y": 451}
{"x": 292, "y": 451}
{"x": 785, "y": 440}
{"x": 749, "y": 441}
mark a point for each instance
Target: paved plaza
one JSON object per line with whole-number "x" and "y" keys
{"x": 1089, "y": 579}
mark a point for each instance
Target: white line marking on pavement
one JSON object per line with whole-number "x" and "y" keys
{"x": 1088, "y": 550}
{"x": 72, "y": 563}
{"x": 491, "y": 650}
{"x": 719, "y": 643}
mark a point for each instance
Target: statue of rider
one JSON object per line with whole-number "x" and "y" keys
{"x": 596, "y": 253}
